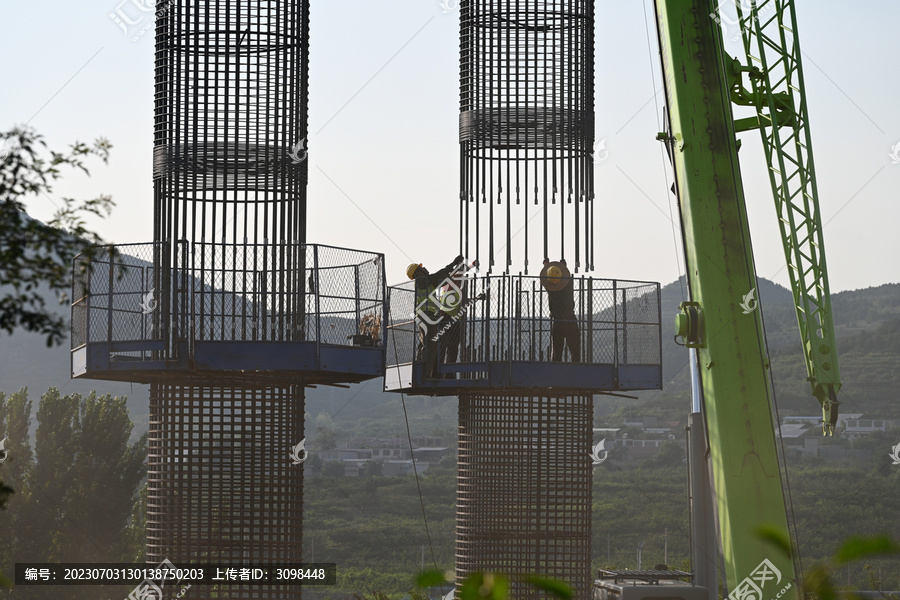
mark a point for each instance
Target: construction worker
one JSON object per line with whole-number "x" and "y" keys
{"x": 560, "y": 286}
{"x": 428, "y": 311}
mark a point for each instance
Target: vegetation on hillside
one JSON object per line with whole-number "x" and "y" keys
{"x": 75, "y": 486}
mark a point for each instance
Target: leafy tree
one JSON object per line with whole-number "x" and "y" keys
{"x": 45, "y": 514}
{"x": 370, "y": 468}
{"x": 136, "y": 534}
{"x": 80, "y": 491}
{"x": 492, "y": 586}
{"x": 326, "y": 433}
{"x": 108, "y": 472}
{"x": 820, "y": 581}
{"x": 34, "y": 253}
{"x": 333, "y": 468}
{"x": 15, "y": 418}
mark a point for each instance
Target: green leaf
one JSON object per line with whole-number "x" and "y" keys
{"x": 431, "y": 578}
{"x": 485, "y": 586}
{"x": 860, "y": 547}
{"x": 775, "y": 536}
{"x": 500, "y": 590}
{"x": 560, "y": 589}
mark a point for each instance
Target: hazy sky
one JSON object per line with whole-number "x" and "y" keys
{"x": 383, "y": 124}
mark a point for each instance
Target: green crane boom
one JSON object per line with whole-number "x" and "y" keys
{"x": 701, "y": 83}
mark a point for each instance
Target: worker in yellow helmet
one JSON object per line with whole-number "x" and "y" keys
{"x": 429, "y": 311}
{"x": 560, "y": 286}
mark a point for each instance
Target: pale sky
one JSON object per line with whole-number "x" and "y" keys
{"x": 383, "y": 130}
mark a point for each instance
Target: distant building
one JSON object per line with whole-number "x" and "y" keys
{"x": 803, "y": 435}
{"x": 636, "y": 450}
{"x": 610, "y": 434}
{"x": 398, "y": 468}
{"x": 641, "y": 421}
{"x": 857, "y": 427}
{"x": 850, "y": 425}
{"x": 430, "y": 455}
{"x": 391, "y": 454}
{"x": 795, "y": 436}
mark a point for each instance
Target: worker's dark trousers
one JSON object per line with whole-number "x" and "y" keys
{"x": 565, "y": 332}
{"x": 429, "y": 349}
{"x": 449, "y": 340}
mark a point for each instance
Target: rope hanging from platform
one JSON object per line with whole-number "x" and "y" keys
{"x": 526, "y": 130}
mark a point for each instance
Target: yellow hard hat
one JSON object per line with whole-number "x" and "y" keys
{"x": 555, "y": 276}
{"x": 411, "y": 270}
{"x": 554, "y": 273}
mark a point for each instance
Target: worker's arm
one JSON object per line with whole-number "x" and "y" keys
{"x": 438, "y": 277}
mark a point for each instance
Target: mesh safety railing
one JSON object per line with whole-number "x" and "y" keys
{"x": 507, "y": 318}
{"x": 120, "y": 294}
{"x": 227, "y": 292}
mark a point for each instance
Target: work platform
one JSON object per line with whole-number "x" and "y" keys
{"x": 211, "y": 312}
{"x": 504, "y": 339}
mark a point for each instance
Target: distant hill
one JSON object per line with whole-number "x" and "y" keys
{"x": 866, "y": 324}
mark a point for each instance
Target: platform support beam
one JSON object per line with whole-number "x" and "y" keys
{"x": 524, "y": 489}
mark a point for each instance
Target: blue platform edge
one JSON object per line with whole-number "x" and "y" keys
{"x": 103, "y": 360}
{"x": 510, "y": 376}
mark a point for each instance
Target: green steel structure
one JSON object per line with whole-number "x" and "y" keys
{"x": 776, "y": 75}
{"x": 724, "y": 329}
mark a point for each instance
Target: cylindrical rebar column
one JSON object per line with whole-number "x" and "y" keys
{"x": 524, "y": 489}
{"x": 229, "y": 148}
{"x": 223, "y": 488}
{"x": 526, "y": 130}
{"x": 230, "y": 172}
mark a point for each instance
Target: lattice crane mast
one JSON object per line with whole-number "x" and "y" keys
{"x": 774, "y": 67}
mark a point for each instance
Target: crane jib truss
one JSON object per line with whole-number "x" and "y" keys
{"x": 775, "y": 72}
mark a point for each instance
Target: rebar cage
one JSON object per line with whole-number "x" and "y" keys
{"x": 150, "y": 304}
{"x": 230, "y": 141}
{"x": 526, "y": 129}
{"x": 505, "y": 337}
{"x": 524, "y": 490}
{"x": 222, "y": 484}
